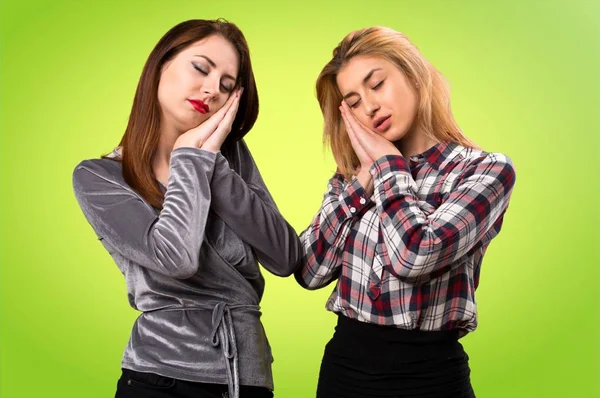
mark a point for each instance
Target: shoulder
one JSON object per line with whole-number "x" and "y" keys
{"x": 91, "y": 173}
{"x": 107, "y": 168}
{"x": 476, "y": 161}
{"x": 470, "y": 157}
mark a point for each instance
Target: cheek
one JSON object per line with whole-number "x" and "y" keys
{"x": 167, "y": 89}
{"x": 407, "y": 106}
{"x": 412, "y": 101}
{"x": 361, "y": 117}
{"x": 411, "y": 109}
{"x": 182, "y": 83}
{"x": 163, "y": 95}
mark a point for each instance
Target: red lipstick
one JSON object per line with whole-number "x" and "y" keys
{"x": 199, "y": 106}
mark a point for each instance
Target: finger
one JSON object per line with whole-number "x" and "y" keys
{"x": 223, "y": 111}
{"x": 360, "y": 135}
{"x": 356, "y": 144}
{"x": 224, "y": 128}
{"x": 346, "y": 120}
{"x": 354, "y": 123}
{"x": 358, "y": 127}
{"x": 211, "y": 124}
{"x": 349, "y": 129}
{"x": 359, "y": 149}
{"x": 357, "y": 139}
{"x": 229, "y": 117}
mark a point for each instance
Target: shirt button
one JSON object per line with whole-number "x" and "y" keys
{"x": 352, "y": 210}
{"x": 363, "y": 201}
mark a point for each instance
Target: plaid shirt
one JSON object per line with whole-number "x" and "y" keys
{"x": 410, "y": 255}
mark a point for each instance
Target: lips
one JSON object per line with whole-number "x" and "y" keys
{"x": 199, "y": 106}
{"x": 382, "y": 123}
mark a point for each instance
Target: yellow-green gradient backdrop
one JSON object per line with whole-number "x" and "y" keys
{"x": 524, "y": 78}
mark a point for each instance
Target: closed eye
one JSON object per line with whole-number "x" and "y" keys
{"x": 225, "y": 88}
{"x": 199, "y": 69}
{"x": 354, "y": 105}
{"x": 378, "y": 85}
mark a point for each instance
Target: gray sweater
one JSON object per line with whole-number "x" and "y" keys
{"x": 191, "y": 269}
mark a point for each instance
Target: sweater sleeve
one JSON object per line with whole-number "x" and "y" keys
{"x": 243, "y": 201}
{"x": 168, "y": 243}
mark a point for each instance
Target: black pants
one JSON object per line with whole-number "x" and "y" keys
{"x": 366, "y": 360}
{"x": 134, "y": 384}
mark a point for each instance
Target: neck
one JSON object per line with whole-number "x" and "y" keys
{"x": 415, "y": 142}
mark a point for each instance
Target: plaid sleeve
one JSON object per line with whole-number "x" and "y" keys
{"x": 324, "y": 240}
{"x": 418, "y": 244}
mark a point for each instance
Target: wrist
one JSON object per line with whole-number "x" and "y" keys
{"x": 210, "y": 148}
{"x": 186, "y": 142}
{"x": 364, "y": 177}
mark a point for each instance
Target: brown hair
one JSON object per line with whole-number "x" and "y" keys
{"x": 434, "y": 115}
{"x": 140, "y": 141}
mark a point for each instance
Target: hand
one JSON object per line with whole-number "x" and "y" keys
{"x": 365, "y": 160}
{"x": 216, "y": 139}
{"x": 197, "y": 136}
{"x": 366, "y": 143}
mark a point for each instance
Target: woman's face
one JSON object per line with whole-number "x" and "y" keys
{"x": 379, "y": 95}
{"x": 197, "y": 82}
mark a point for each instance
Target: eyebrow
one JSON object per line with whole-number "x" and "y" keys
{"x": 366, "y": 79}
{"x": 212, "y": 63}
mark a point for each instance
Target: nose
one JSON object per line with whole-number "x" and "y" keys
{"x": 210, "y": 87}
{"x": 370, "y": 106}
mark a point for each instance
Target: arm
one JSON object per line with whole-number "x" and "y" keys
{"x": 419, "y": 244}
{"x": 245, "y": 204}
{"x": 169, "y": 243}
{"x": 324, "y": 240}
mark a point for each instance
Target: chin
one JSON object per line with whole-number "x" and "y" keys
{"x": 394, "y": 135}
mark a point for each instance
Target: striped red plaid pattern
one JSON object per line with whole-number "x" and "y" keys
{"x": 410, "y": 255}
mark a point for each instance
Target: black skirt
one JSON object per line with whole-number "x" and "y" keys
{"x": 366, "y": 360}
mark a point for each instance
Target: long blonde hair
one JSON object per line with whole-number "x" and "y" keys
{"x": 434, "y": 115}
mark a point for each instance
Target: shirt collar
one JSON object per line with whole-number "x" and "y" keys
{"x": 436, "y": 155}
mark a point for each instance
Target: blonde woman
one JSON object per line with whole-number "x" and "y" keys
{"x": 403, "y": 226}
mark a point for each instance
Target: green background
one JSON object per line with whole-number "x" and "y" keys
{"x": 524, "y": 78}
